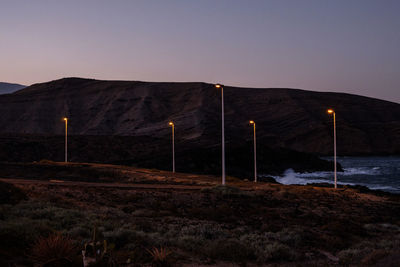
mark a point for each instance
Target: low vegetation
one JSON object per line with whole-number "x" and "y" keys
{"x": 55, "y": 249}
{"x": 10, "y": 194}
{"x": 162, "y": 227}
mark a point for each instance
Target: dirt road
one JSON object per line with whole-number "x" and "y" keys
{"x": 110, "y": 185}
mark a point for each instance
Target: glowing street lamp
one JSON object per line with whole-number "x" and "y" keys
{"x": 223, "y": 130}
{"x": 255, "y": 151}
{"x": 173, "y": 145}
{"x": 66, "y": 139}
{"x": 331, "y": 111}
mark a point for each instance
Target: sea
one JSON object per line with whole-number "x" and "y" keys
{"x": 377, "y": 173}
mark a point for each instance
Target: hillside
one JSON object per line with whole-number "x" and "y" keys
{"x": 286, "y": 118}
{"x": 8, "y": 88}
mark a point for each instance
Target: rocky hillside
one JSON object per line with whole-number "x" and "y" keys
{"x": 286, "y": 118}
{"x": 8, "y": 88}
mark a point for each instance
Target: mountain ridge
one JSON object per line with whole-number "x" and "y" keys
{"x": 8, "y": 88}
{"x": 179, "y": 82}
{"x": 285, "y": 117}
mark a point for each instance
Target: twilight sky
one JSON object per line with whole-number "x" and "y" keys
{"x": 348, "y": 46}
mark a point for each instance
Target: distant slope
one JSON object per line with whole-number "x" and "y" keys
{"x": 289, "y": 118}
{"x": 8, "y": 88}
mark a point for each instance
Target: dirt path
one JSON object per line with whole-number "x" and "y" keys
{"x": 109, "y": 185}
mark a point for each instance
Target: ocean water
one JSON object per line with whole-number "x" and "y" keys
{"x": 379, "y": 173}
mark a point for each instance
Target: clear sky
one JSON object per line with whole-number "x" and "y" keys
{"x": 325, "y": 45}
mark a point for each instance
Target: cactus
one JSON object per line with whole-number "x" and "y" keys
{"x": 97, "y": 253}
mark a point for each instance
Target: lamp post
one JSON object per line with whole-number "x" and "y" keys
{"x": 255, "y": 151}
{"x": 66, "y": 139}
{"x": 173, "y": 145}
{"x": 223, "y": 130}
{"x": 331, "y": 111}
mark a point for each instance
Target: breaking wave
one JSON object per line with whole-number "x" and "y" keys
{"x": 292, "y": 177}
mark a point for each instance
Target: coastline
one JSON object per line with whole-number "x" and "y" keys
{"x": 374, "y": 172}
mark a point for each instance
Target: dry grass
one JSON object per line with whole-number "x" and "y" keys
{"x": 160, "y": 256}
{"x": 54, "y": 249}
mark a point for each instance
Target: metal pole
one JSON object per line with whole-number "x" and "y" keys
{"x": 173, "y": 148}
{"x": 223, "y": 136}
{"x": 255, "y": 155}
{"x": 334, "y": 148}
{"x": 66, "y": 140}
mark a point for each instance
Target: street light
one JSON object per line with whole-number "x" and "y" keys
{"x": 255, "y": 151}
{"x": 223, "y": 130}
{"x": 173, "y": 145}
{"x": 66, "y": 139}
{"x": 331, "y": 111}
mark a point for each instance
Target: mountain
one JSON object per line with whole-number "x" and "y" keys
{"x": 8, "y": 88}
{"x": 286, "y": 118}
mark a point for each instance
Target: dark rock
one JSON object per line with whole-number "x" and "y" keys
{"x": 286, "y": 118}
{"x": 268, "y": 179}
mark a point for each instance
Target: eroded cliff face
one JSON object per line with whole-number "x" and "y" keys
{"x": 289, "y": 118}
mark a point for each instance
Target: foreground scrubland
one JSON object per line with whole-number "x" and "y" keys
{"x": 150, "y": 217}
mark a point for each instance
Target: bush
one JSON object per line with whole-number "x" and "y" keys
{"x": 373, "y": 257}
{"x": 22, "y": 224}
{"x": 54, "y": 250}
{"x": 277, "y": 252}
{"x": 79, "y": 232}
{"x": 9, "y": 194}
{"x": 228, "y": 249}
{"x": 206, "y": 231}
{"x": 292, "y": 238}
{"x": 122, "y": 237}
{"x": 349, "y": 256}
{"x": 190, "y": 243}
{"x": 272, "y": 246}
{"x": 21, "y": 233}
{"x": 161, "y": 256}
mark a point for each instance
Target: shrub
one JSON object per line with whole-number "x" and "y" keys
{"x": 277, "y": 251}
{"x": 79, "y": 232}
{"x": 204, "y": 231}
{"x": 54, "y": 249}
{"x": 228, "y": 249}
{"x": 21, "y": 233}
{"x": 392, "y": 243}
{"x": 383, "y": 227}
{"x": 122, "y": 237}
{"x": 190, "y": 243}
{"x": 290, "y": 237}
{"x": 160, "y": 256}
{"x": 349, "y": 256}
{"x": 268, "y": 246}
{"x": 373, "y": 257}
{"x": 9, "y": 194}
